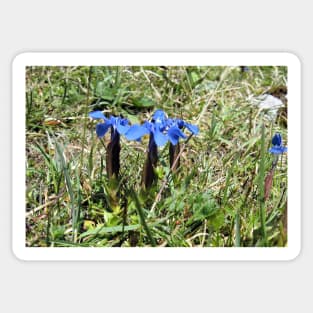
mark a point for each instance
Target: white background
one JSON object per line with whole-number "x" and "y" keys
{"x": 155, "y": 26}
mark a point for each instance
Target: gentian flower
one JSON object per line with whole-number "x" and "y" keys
{"x": 157, "y": 139}
{"x": 155, "y": 128}
{"x": 161, "y": 130}
{"x": 175, "y": 127}
{"x": 119, "y": 126}
{"x": 174, "y": 132}
{"x": 277, "y": 147}
{"x": 159, "y": 117}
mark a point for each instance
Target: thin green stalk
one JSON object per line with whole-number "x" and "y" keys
{"x": 229, "y": 175}
{"x": 90, "y": 161}
{"x": 237, "y": 228}
{"x": 213, "y": 94}
{"x": 117, "y": 85}
{"x": 261, "y": 188}
{"x": 65, "y": 86}
{"x": 51, "y": 165}
{"x": 142, "y": 218}
{"x": 78, "y": 204}
{"x": 166, "y": 179}
{"x": 29, "y": 96}
{"x": 48, "y": 226}
{"x": 238, "y": 214}
{"x": 85, "y": 120}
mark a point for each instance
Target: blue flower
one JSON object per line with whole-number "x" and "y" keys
{"x": 161, "y": 129}
{"x": 155, "y": 128}
{"x": 277, "y": 147}
{"x": 174, "y": 130}
{"x": 117, "y": 124}
{"x": 159, "y": 117}
{"x": 135, "y": 132}
{"x": 174, "y": 133}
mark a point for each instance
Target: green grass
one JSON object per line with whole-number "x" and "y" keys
{"x": 215, "y": 199}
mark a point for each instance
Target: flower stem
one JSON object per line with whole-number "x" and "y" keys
{"x": 261, "y": 188}
{"x": 113, "y": 156}
{"x": 143, "y": 218}
{"x": 165, "y": 181}
{"x": 148, "y": 176}
{"x": 174, "y": 151}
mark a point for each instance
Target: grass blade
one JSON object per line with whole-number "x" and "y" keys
{"x": 142, "y": 218}
{"x": 261, "y": 187}
{"x": 229, "y": 175}
{"x": 69, "y": 186}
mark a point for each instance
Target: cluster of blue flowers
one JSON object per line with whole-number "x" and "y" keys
{"x": 161, "y": 129}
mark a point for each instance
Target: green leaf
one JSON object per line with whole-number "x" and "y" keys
{"x": 101, "y": 230}
{"x": 144, "y": 102}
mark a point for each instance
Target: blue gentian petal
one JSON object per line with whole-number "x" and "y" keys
{"x": 159, "y": 138}
{"x": 159, "y": 116}
{"x": 121, "y": 129}
{"x": 124, "y": 121}
{"x": 135, "y": 132}
{"x": 102, "y": 128}
{"x": 276, "y": 141}
{"x": 192, "y": 128}
{"x": 148, "y": 125}
{"x": 169, "y": 122}
{"x": 122, "y": 125}
{"x": 97, "y": 115}
{"x": 180, "y": 123}
{"x": 113, "y": 121}
{"x": 174, "y": 133}
{"x": 278, "y": 149}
